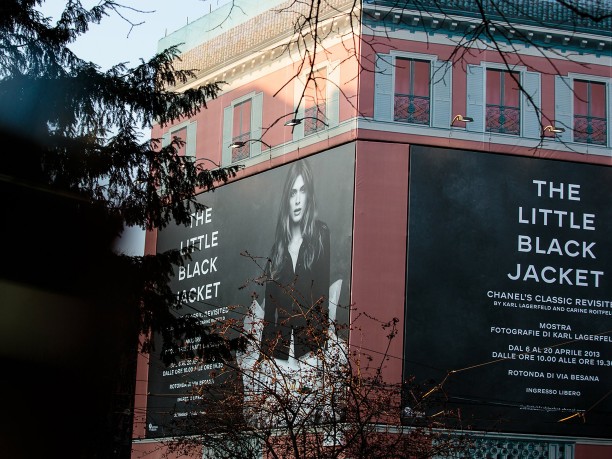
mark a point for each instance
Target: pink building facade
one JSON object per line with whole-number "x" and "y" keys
{"x": 473, "y": 233}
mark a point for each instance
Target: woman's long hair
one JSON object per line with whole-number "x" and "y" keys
{"x": 313, "y": 243}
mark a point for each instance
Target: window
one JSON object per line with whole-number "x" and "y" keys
{"x": 411, "y": 88}
{"x": 185, "y": 132}
{"x": 241, "y": 130}
{"x": 411, "y": 102}
{"x": 182, "y": 135}
{"x": 583, "y": 105}
{"x": 315, "y": 102}
{"x": 242, "y": 122}
{"x": 503, "y": 113}
{"x": 590, "y": 112}
{"x": 503, "y": 100}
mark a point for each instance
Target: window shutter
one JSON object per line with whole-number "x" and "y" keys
{"x": 383, "y": 88}
{"x": 190, "y": 139}
{"x": 564, "y": 97}
{"x": 441, "y": 94}
{"x": 298, "y": 90}
{"x": 530, "y": 122}
{"x": 226, "y": 154}
{"x": 256, "y": 123}
{"x": 475, "y": 98}
{"x": 609, "y": 113}
{"x": 332, "y": 110}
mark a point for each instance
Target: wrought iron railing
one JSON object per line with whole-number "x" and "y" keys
{"x": 240, "y": 153}
{"x": 313, "y": 119}
{"x": 511, "y": 448}
{"x": 503, "y": 119}
{"x": 409, "y": 108}
{"x": 590, "y": 129}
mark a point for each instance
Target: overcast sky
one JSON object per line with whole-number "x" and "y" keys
{"x": 108, "y": 43}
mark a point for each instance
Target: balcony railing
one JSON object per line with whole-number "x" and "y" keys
{"x": 409, "y": 108}
{"x": 503, "y": 119}
{"x": 313, "y": 119}
{"x": 590, "y": 129}
{"x": 240, "y": 153}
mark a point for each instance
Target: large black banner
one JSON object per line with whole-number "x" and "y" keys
{"x": 231, "y": 241}
{"x": 509, "y": 290}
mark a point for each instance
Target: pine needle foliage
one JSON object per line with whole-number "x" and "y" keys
{"x": 76, "y": 170}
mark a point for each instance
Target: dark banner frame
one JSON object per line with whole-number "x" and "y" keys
{"x": 234, "y": 237}
{"x": 509, "y": 290}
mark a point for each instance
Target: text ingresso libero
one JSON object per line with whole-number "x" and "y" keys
{"x": 553, "y": 219}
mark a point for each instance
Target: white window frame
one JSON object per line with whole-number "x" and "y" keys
{"x": 440, "y": 88}
{"x": 564, "y": 114}
{"x": 315, "y": 70}
{"x": 476, "y": 94}
{"x": 432, "y": 59}
{"x": 190, "y": 136}
{"x": 256, "y": 99}
{"x": 332, "y": 99}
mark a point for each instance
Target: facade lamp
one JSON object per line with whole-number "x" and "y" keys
{"x": 296, "y": 121}
{"x": 553, "y": 129}
{"x": 242, "y": 143}
{"x": 463, "y": 119}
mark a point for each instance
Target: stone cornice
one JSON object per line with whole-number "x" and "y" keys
{"x": 260, "y": 41}
{"x": 461, "y": 27}
{"x": 584, "y": 16}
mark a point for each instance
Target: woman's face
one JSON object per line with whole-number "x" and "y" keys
{"x": 297, "y": 199}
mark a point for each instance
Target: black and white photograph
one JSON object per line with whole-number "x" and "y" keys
{"x": 271, "y": 255}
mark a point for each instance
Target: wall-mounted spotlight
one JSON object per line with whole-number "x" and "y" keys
{"x": 462, "y": 119}
{"x": 296, "y": 121}
{"x": 242, "y": 143}
{"x": 553, "y": 129}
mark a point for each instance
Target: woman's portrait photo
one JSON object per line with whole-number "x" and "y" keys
{"x": 295, "y": 321}
{"x": 280, "y": 263}
{"x": 297, "y": 288}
